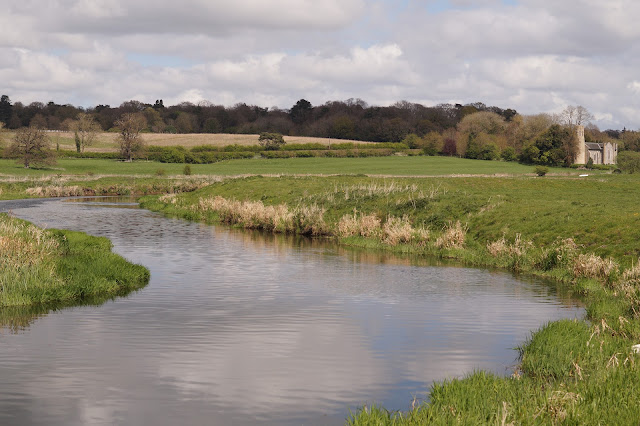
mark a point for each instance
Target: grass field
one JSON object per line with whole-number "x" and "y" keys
{"x": 106, "y": 142}
{"x": 391, "y": 166}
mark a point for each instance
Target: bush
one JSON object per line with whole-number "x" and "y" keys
{"x": 172, "y": 155}
{"x": 629, "y": 161}
{"x": 590, "y": 163}
{"x": 541, "y": 170}
{"x": 161, "y": 172}
{"x": 271, "y": 141}
{"x": 186, "y": 170}
{"x": 509, "y": 154}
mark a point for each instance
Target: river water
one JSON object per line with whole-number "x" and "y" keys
{"x": 244, "y": 328}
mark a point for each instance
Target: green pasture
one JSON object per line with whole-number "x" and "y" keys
{"x": 393, "y": 165}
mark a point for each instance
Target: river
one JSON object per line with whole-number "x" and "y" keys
{"x": 245, "y": 328}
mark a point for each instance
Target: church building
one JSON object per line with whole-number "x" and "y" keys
{"x": 600, "y": 153}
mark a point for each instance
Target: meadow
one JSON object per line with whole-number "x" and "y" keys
{"x": 390, "y": 166}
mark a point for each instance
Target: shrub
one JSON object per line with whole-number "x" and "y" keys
{"x": 186, "y": 170}
{"x": 629, "y": 161}
{"x": 271, "y": 141}
{"x": 541, "y": 170}
{"x": 590, "y": 163}
{"x": 509, "y": 154}
{"x": 172, "y": 155}
{"x": 161, "y": 172}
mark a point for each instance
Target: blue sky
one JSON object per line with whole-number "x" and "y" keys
{"x": 532, "y": 55}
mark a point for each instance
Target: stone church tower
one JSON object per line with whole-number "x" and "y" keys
{"x": 581, "y": 158}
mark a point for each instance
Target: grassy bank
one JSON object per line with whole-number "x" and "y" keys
{"x": 582, "y": 232}
{"x": 52, "y": 266}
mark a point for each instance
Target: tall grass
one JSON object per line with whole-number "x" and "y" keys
{"x": 41, "y": 266}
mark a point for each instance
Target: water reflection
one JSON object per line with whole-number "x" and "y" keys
{"x": 244, "y": 328}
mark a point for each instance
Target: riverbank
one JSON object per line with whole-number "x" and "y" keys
{"x": 582, "y": 233}
{"x": 39, "y": 267}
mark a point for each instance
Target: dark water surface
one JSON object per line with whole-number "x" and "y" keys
{"x": 242, "y": 328}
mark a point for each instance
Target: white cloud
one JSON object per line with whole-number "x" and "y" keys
{"x": 527, "y": 56}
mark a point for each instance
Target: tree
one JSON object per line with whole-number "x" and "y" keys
{"x": 575, "y": 116}
{"x": 85, "y": 130}
{"x": 301, "y": 111}
{"x": 271, "y": 141}
{"x": 449, "y": 147}
{"x": 5, "y": 109}
{"x": 131, "y": 143}
{"x": 31, "y": 147}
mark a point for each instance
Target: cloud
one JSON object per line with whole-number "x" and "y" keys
{"x": 526, "y": 55}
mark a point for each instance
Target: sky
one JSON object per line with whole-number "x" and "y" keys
{"x": 531, "y": 55}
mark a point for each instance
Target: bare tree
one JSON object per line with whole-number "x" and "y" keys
{"x": 583, "y": 116}
{"x": 130, "y": 125}
{"x": 574, "y": 116}
{"x": 31, "y": 147}
{"x": 85, "y": 129}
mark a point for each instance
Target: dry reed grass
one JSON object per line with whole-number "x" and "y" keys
{"x": 168, "y": 198}
{"x": 502, "y": 247}
{"x": 592, "y": 266}
{"x": 631, "y": 276}
{"x": 55, "y": 191}
{"x": 397, "y": 230}
{"x": 364, "y": 225}
{"x": 394, "y": 231}
{"x": 306, "y": 220}
{"x": 23, "y": 244}
{"x": 453, "y": 237}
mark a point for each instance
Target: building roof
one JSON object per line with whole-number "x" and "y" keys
{"x": 592, "y": 146}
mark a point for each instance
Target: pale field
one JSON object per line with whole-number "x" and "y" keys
{"x": 106, "y": 142}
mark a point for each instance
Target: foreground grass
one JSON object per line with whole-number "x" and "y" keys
{"x": 583, "y": 233}
{"x": 41, "y": 267}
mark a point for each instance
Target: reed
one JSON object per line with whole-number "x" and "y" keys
{"x": 453, "y": 237}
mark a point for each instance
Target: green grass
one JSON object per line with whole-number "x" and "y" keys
{"x": 600, "y": 213}
{"x": 44, "y": 267}
{"x": 394, "y": 165}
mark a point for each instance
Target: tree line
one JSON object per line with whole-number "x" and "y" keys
{"x": 472, "y": 130}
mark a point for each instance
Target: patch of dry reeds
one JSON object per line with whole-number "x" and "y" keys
{"x": 168, "y": 198}
{"x": 397, "y": 230}
{"x": 453, "y": 237}
{"x": 592, "y": 266}
{"x": 55, "y": 191}
{"x": 306, "y": 220}
{"x": 394, "y": 231}
{"x": 364, "y": 225}
{"x": 502, "y": 247}
{"x": 631, "y": 276}
{"x": 23, "y": 244}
